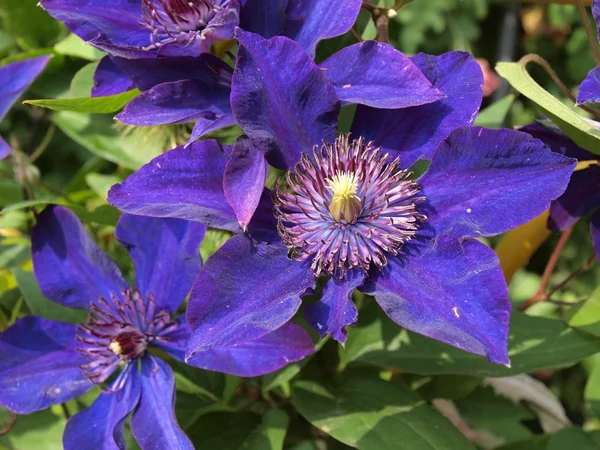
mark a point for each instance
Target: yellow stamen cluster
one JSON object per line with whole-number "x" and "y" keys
{"x": 345, "y": 204}
{"x": 116, "y": 348}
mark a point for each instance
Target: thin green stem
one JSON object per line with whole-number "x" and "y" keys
{"x": 589, "y": 30}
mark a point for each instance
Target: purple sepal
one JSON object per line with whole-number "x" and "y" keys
{"x": 581, "y": 197}
{"x": 310, "y": 21}
{"x": 204, "y": 126}
{"x": 271, "y": 352}
{"x": 478, "y": 176}
{"x": 414, "y": 133}
{"x": 176, "y": 102}
{"x": 146, "y": 73}
{"x": 589, "y": 89}
{"x": 153, "y": 423}
{"x": 595, "y": 232}
{"x": 39, "y": 365}
{"x": 183, "y": 183}
{"x": 165, "y": 256}
{"x": 450, "y": 290}
{"x": 119, "y": 19}
{"x": 335, "y": 310}
{"x": 101, "y": 425}
{"x": 281, "y": 99}
{"x": 558, "y": 142}
{"x": 69, "y": 267}
{"x": 5, "y": 149}
{"x": 244, "y": 180}
{"x": 109, "y": 79}
{"x": 264, "y": 17}
{"x": 16, "y": 77}
{"x": 244, "y": 291}
{"x": 174, "y": 341}
{"x": 376, "y": 74}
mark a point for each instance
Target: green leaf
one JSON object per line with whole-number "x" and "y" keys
{"x": 93, "y": 105}
{"x": 73, "y": 45}
{"x": 237, "y": 431}
{"x": 83, "y": 81}
{"x": 585, "y": 315}
{"x": 494, "y": 115}
{"x": 29, "y": 24}
{"x": 271, "y": 433}
{"x": 583, "y": 133}
{"x": 100, "y": 183}
{"x": 98, "y": 135}
{"x": 592, "y": 388}
{"x": 32, "y": 430}
{"x": 40, "y": 305}
{"x": 534, "y": 343}
{"x": 372, "y": 414}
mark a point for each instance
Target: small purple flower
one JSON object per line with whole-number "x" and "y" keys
{"x": 583, "y": 193}
{"x": 15, "y": 78}
{"x": 45, "y": 362}
{"x": 349, "y": 210}
{"x": 589, "y": 90}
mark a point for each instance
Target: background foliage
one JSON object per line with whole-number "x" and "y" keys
{"x": 388, "y": 388}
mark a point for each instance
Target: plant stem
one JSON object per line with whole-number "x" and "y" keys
{"x": 540, "y": 295}
{"x": 532, "y": 57}
{"x": 592, "y": 37}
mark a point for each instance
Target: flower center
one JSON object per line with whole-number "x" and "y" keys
{"x": 166, "y": 19}
{"x": 129, "y": 344}
{"x": 119, "y": 330}
{"x": 347, "y": 207}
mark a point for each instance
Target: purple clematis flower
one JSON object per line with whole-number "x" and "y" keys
{"x": 44, "y": 362}
{"x": 583, "y": 193}
{"x": 589, "y": 90}
{"x": 15, "y": 78}
{"x": 349, "y": 210}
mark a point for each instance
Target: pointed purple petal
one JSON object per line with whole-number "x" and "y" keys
{"x": 264, "y": 17}
{"x": 581, "y": 197}
{"x": 176, "y": 102}
{"x": 558, "y": 142}
{"x": 589, "y": 90}
{"x": 414, "y": 133}
{"x": 118, "y": 19}
{"x": 165, "y": 254}
{"x": 5, "y": 149}
{"x": 244, "y": 291}
{"x": 204, "y": 126}
{"x": 595, "y": 232}
{"x": 16, "y": 77}
{"x": 175, "y": 341}
{"x": 69, "y": 267}
{"x": 109, "y": 79}
{"x": 101, "y": 425}
{"x": 149, "y": 72}
{"x": 244, "y": 179}
{"x": 310, "y": 21}
{"x": 183, "y": 183}
{"x": 335, "y": 310}
{"x": 484, "y": 182}
{"x": 153, "y": 423}
{"x": 451, "y": 291}
{"x": 39, "y": 365}
{"x": 275, "y": 350}
{"x": 281, "y": 99}
{"x": 376, "y": 74}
